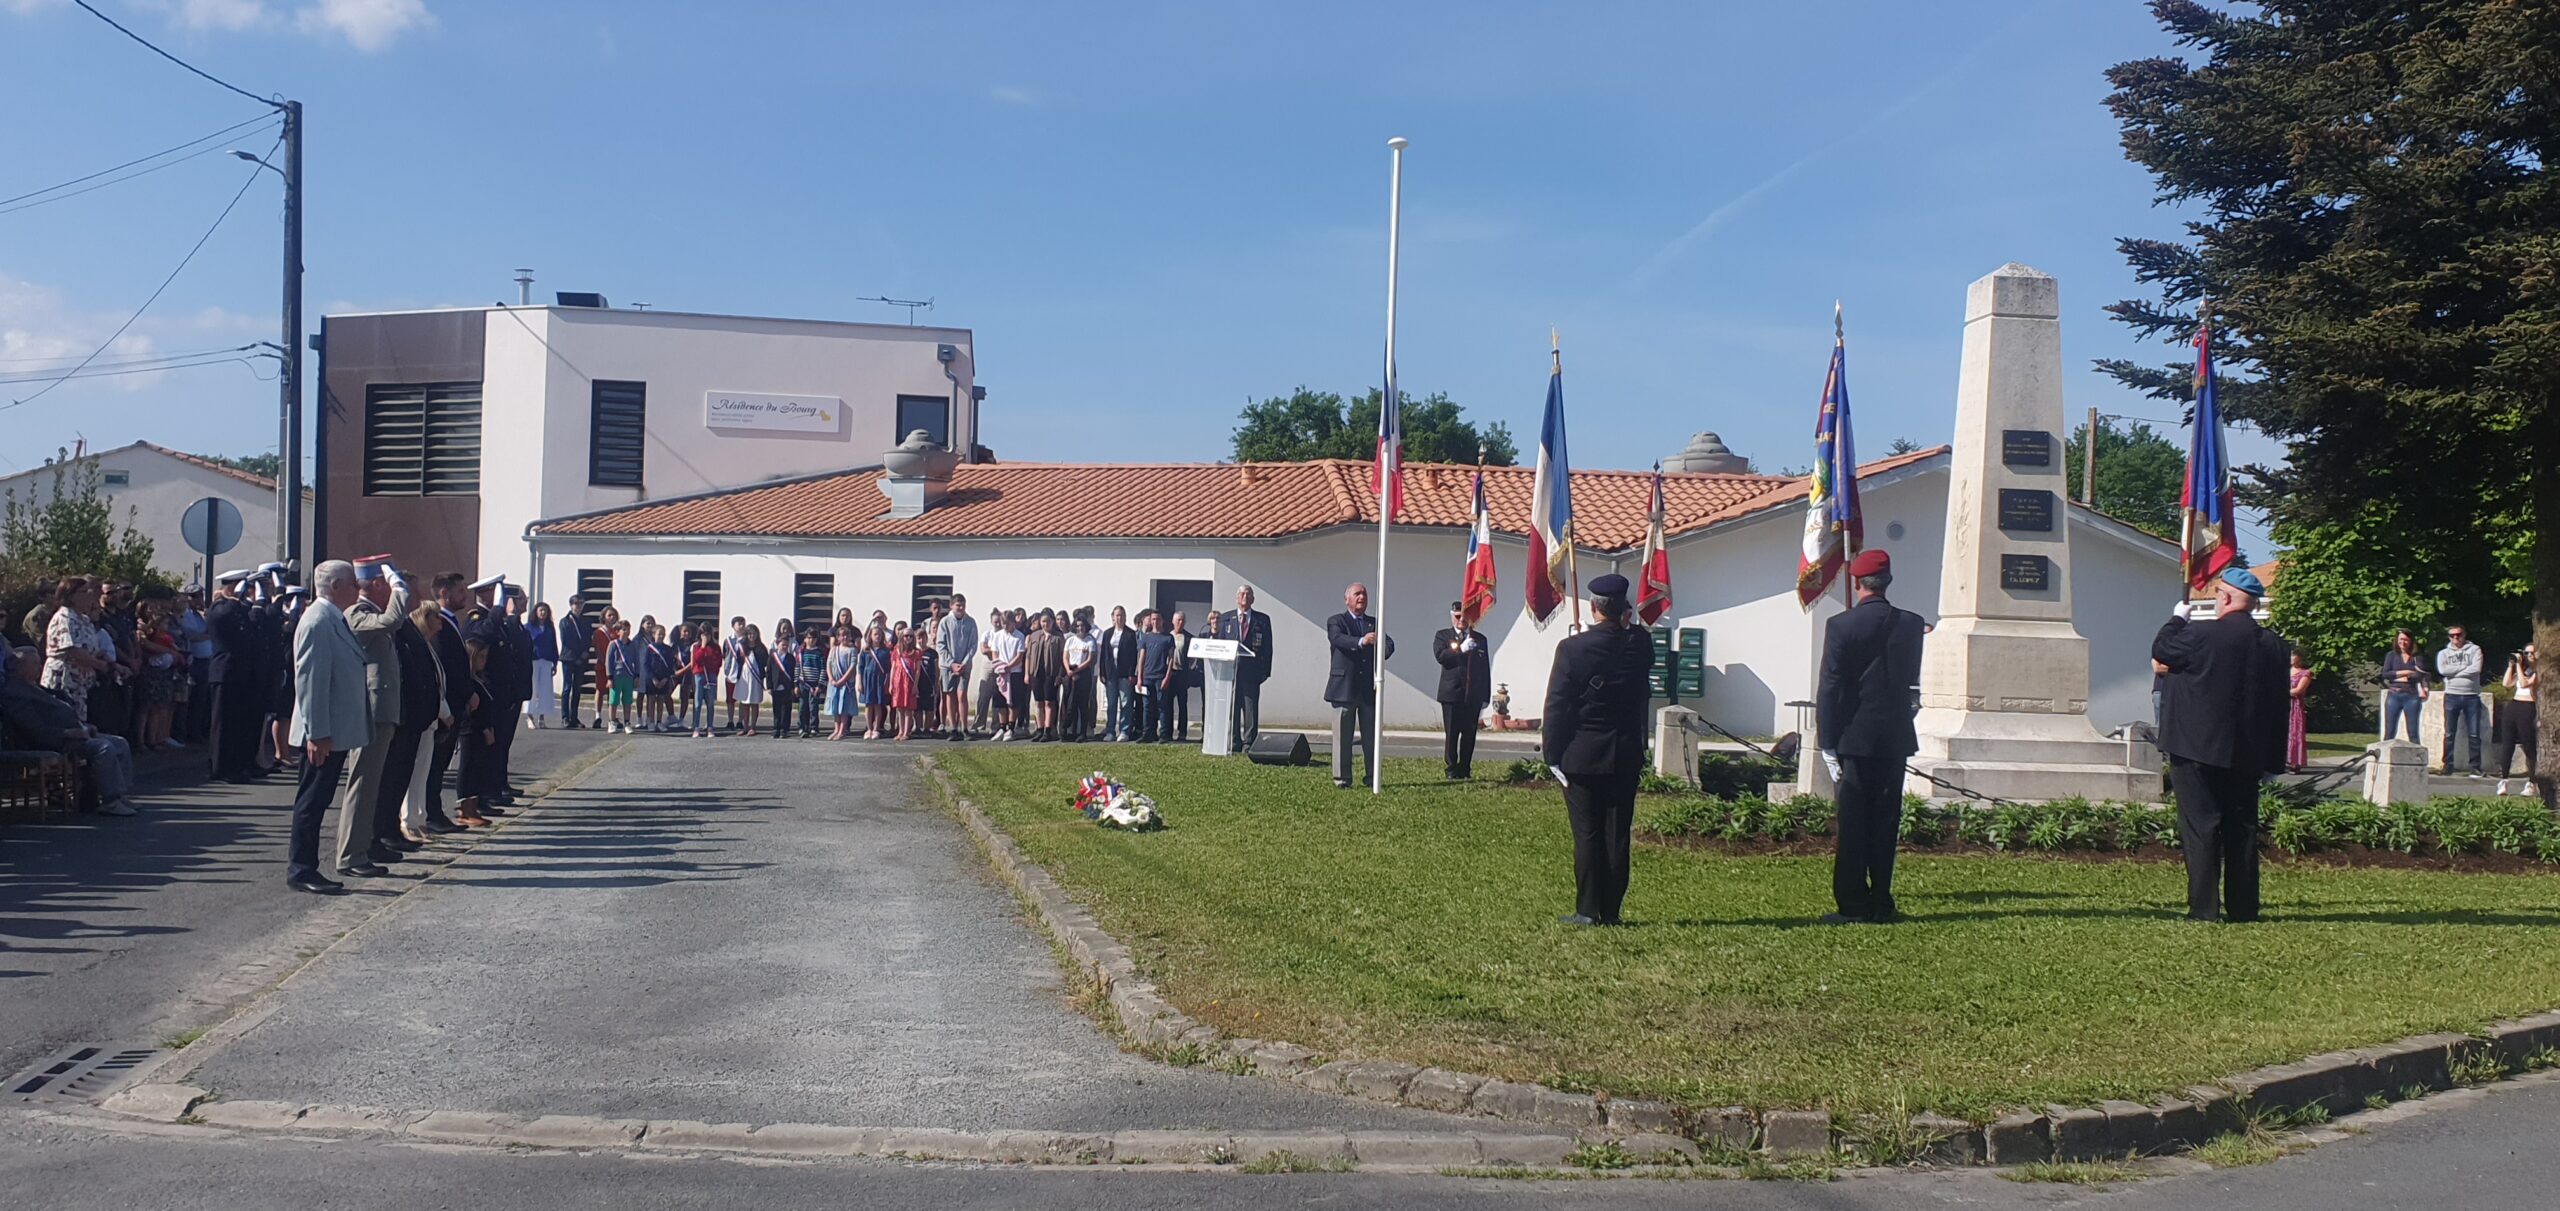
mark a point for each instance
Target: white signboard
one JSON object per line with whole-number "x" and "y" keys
{"x": 1215, "y": 649}
{"x": 772, "y": 413}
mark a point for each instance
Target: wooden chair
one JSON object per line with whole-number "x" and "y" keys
{"x": 37, "y": 787}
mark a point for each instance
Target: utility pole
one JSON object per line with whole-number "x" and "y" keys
{"x": 2089, "y": 462}
{"x": 289, "y": 439}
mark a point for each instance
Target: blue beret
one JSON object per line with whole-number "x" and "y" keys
{"x": 2244, "y": 580}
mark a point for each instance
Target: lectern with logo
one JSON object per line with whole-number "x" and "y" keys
{"x": 1217, "y": 658}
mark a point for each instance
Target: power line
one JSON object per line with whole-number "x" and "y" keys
{"x": 112, "y": 373}
{"x": 156, "y": 291}
{"x": 262, "y": 118}
{"x": 118, "y": 359}
{"x": 146, "y": 43}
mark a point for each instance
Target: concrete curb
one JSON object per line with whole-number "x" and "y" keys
{"x": 2338, "y": 1082}
{"x": 1387, "y": 1150}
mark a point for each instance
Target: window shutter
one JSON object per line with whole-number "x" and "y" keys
{"x": 616, "y": 430}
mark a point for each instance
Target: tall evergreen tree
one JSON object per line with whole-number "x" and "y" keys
{"x": 2378, "y": 233}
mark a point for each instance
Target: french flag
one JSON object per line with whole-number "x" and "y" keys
{"x": 1551, "y": 511}
{"x": 1475, "y": 594}
{"x": 1389, "y": 483}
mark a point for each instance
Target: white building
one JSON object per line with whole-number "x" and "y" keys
{"x": 1185, "y": 536}
{"x": 442, "y": 434}
{"x": 151, "y": 487}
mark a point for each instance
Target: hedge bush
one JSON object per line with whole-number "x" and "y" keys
{"x": 2447, "y": 827}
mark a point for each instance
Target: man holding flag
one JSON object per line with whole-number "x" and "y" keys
{"x": 1551, "y": 580}
{"x": 1834, "y": 530}
{"x": 2208, "y": 501}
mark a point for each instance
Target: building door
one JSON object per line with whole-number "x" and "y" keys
{"x": 1191, "y": 597}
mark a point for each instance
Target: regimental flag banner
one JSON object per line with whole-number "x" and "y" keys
{"x": 1834, "y": 530}
{"x": 1550, "y": 581}
{"x": 1653, "y": 592}
{"x": 1389, "y": 484}
{"x": 1475, "y": 593}
{"x": 2208, "y": 499}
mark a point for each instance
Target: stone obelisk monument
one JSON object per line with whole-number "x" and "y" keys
{"x": 2004, "y": 680}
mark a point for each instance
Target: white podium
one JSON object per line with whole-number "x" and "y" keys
{"x": 1217, "y": 659}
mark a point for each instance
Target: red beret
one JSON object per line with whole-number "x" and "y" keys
{"x": 1868, "y": 563}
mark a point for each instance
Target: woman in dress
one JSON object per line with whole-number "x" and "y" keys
{"x": 76, "y": 652}
{"x": 875, "y": 682}
{"x": 2297, "y": 725}
{"x": 902, "y": 685}
{"x": 844, "y": 668}
{"x": 546, "y": 667}
{"x": 601, "y": 636}
{"x": 753, "y": 659}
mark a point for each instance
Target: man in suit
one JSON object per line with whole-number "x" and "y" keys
{"x": 577, "y": 647}
{"x": 1592, "y": 738}
{"x": 2225, "y": 729}
{"x": 487, "y": 622}
{"x": 1466, "y": 685}
{"x": 382, "y": 604}
{"x": 1862, "y": 721}
{"x": 1252, "y": 629}
{"x": 461, "y": 692}
{"x": 402, "y": 810}
{"x": 332, "y": 715}
{"x": 1351, "y": 686}
{"x": 1116, "y": 654}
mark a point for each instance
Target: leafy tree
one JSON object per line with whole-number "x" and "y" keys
{"x": 2378, "y": 231}
{"x": 2140, "y": 475}
{"x": 255, "y": 464}
{"x": 1308, "y": 425}
{"x": 72, "y": 531}
{"x": 1900, "y": 446}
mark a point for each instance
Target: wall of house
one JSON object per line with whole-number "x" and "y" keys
{"x": 542, "y": 363}
{"x": 1736, "y": 582}
{"x": 155, "y": 498}
{"x": 435, "y": 532}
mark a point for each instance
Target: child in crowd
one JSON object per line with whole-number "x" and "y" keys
{"x": 658, "y": 677}
{"x": 622, "y": 666}
{"x": 902, "y": 684}
{"x": 844, "y": 666}
{"x": 704, "y": 665}
{"x": 811, "y": 674}
{"x": 161, "y": 669}
{"x": 480, "y": 768}
{"x": 875, "y": 682}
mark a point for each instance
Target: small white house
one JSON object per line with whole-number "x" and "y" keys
{"x": 151, "y": 487}
{"x": 1184, "y": 536}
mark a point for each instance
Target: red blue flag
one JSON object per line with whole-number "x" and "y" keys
{"x": 1475, "y": 594}
{"x": 2208, "y": 500}
{"x": 1550, "y": 581}
{"x": 1834, "y": 529}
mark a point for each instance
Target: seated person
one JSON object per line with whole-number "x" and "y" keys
{"x": 35, "y": 718}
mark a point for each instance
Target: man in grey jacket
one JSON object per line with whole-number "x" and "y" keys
{"x": 332, "y": 715}
{"x": 2460, "y": 664}
{"x": 382, "y": 604}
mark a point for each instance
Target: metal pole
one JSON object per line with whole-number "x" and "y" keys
{"x": 1378, "y": 594}
{"x": 2089, "y": 461}
{"x": 289, "y": 536}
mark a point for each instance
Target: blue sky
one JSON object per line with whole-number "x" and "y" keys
{"x": 1149, "y": 214}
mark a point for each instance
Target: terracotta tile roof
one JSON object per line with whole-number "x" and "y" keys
{"x": 1190, "y": 500}
{"x": 210, "y": 465}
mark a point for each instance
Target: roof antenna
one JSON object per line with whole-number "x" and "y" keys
{"x": 909, "y": 304}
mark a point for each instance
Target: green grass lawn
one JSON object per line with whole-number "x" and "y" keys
{"x": 1420, "y": 927}
{"x": 2337, "y": 744}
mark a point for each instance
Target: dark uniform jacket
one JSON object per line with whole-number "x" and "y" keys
{"x": 1597, "y": 692}
{"x": 235, "y": 627}
{"x": 1870, "y": 662}
{"x": 577, "y": 642}
{"x": 1252, "y": 628}
{"x": 1354, "y": 678}
{"x": 2226, "y": 696}
{"x": 1466, "y": 678}
{"x": 421, "y": 681}
{"x": 459, "y": 681}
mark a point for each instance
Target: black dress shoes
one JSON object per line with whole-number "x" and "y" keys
{"x": 438, "y": 826}
{"x": 315, "y": 884}
{"x": 365, "y": 870}
{"x": 1576, "y": 919}
{"x": 1836, "y": 918}
{"x": 384, "y": 855}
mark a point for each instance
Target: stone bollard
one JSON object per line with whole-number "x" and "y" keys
{"x": 2395, "y": 771}
{"x": 1675, "y": 744}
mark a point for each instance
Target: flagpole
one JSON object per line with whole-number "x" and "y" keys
{"x": 1848, "y": 590}
{"x": 1378, "y": 595}
{"x": 2186, "y": 523}
{"x": 1572, "y": 566}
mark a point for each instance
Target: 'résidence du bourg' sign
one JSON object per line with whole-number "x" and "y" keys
{"x": 771, "y": 413}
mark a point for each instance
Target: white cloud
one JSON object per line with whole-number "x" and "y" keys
{"x": 25, "y": 8}
{"x": 368, "y": 25}
{"x": 1013, "y": 94}
{"x": 221, "y": 14}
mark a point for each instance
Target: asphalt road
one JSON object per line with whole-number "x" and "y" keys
{"x": 127, "y": 930}
{"x": 739, "y": 929}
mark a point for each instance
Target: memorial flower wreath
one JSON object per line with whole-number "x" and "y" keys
{"x": 1107, "y": 803}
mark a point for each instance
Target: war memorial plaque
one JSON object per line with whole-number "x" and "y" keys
{"x": 2026, "y": 510}
{"x": 2025, "y": 573}
{"x": 2026, "y": 448}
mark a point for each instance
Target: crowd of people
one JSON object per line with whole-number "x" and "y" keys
{"x": 2457, "y": 678}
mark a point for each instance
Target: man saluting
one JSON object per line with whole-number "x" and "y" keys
{"x": 1862, "y": 720}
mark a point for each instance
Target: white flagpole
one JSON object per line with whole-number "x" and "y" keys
{"x": 1378, "y": 592}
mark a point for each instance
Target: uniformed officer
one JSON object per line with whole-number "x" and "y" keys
{"x": 1593, "y": 741}
{"x": 1862, "y": 721}
{"x": 2223, "y": 729}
